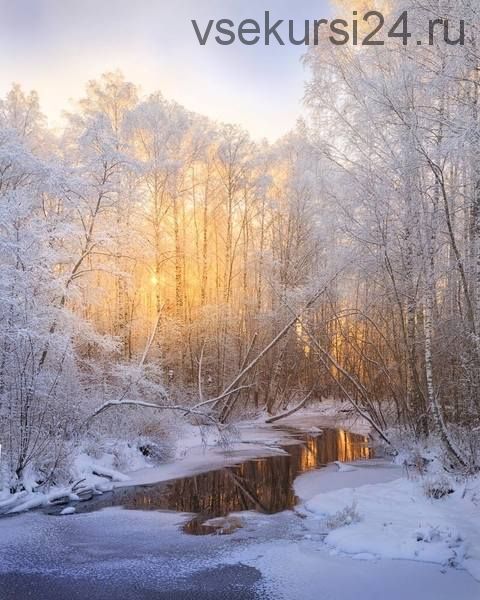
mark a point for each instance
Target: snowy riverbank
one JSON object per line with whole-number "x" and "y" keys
{"x": 375, "y": 511}
{"x": 200, "y": 450}
{"x": 125, "y": 554}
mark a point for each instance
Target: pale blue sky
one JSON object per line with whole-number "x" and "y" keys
{"x": 55, "y": 46}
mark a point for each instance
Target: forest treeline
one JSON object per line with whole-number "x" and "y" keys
{"x": 152, "y": 256}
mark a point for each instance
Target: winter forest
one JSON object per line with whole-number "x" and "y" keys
{"x": 159, "y": 269}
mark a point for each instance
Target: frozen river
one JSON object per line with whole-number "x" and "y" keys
{"x": 129, "y": 555}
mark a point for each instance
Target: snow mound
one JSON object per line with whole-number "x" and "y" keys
{"x": 398, "y": 521}
{"x": 69, "y": 510}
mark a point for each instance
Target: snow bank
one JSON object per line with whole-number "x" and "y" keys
{"x": 94, "y": 470}
{"x": 24, "y": 501}
{"x": 90, "y": 473}
{"x": 395, "y": 519}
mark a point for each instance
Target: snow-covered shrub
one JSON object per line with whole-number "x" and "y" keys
{"x": 413, "y": 456}
{"x": 226, "y": 435}
{"x": 467, "y": 440}
{"x": 151, "y": 431}
{"x": 448, "y": 538}
{"x": 437, "y": 487}
{"x": 347, "y": 516}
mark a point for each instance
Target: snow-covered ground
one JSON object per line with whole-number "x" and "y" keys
{"x": 342, "y": 542}
{"x": 376, "y": 511}
{"x": 126, "y": 555}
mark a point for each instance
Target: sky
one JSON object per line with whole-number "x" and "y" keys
{"x": 56, "y": 46}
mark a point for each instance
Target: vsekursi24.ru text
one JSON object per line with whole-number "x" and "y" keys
{"x": 338, "y": 31}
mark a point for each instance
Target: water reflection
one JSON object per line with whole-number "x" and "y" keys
{"x": 264, "y": 484}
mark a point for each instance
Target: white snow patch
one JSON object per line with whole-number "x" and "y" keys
{"x": 69, "y": 510}
{"x": 329, "y": 478}
{"x": 304, "y": 570}
{"x": 85, "y": 467}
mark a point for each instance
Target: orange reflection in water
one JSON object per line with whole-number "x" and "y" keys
{"x": 350, "y": 448}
